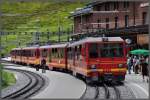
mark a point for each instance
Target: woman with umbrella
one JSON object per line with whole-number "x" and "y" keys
{"x": 142, "y": 63}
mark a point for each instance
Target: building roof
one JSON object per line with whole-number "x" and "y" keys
{"x": 85, "y": 10}
{"x": 95, "y": 39}
{"x": 96, "y": 2}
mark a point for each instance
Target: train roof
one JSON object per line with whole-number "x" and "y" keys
{"x": 16, "y": 49}
{"x": 55, "y": 46}
{"x": 96, "y": 39}
{"x": 25, "y": 48}
{"x": 30, "y": 48}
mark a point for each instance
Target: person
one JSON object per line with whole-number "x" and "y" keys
{"x": 134, "y": 61}
{"x": 147, "y": 63}
{"x": 136, "y": 66}
{"x": 129, "y": 64}
{"x": 144, "y": 69}
{"x": 43, "y": 65}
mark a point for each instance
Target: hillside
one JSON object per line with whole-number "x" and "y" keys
{"x": 21, "y": 17}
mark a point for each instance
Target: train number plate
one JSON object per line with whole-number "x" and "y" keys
{"x": 94, "y": 70}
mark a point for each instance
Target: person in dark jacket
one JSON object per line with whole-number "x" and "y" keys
{"x": 144, "y": 68}
{"x": 43, "y": 65}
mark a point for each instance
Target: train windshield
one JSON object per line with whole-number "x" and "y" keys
{"x": 111, "y": 50}
{"x": 98, "y": 50}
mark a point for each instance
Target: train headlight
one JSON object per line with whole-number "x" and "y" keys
{"x": 93, "y": 67}
{"x": 120, "y": 65}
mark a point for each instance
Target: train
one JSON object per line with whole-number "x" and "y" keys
{"x": 92, "y": 58}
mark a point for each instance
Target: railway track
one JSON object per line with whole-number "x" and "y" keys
{"x": 36, "y": 82}
{"x": 107, "y": 91}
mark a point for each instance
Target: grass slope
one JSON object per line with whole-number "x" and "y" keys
{"x": 35, "y": 16}
{"x": 7, "y": 78}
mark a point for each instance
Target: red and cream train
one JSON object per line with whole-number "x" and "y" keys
{"x": 92, "y": 58}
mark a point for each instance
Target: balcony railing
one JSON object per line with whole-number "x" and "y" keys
{"x": 91, "y": 27}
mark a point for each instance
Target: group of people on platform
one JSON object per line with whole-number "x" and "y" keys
{"x": 139, "y": 64}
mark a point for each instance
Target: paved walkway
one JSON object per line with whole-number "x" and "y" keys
{"x": 137, "y": 85}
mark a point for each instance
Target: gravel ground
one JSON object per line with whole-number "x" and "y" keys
{"x": 22, "y": 81}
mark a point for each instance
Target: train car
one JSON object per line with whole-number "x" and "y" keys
{"x": 55, "y": 56}
{"x": 30, "y": 56}
{"x": 98, "y": 59}
{"x": 16, "y": 55}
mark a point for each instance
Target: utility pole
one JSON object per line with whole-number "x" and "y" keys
{"x": 59, "y": 28}
{"x": 36, "y": 34}
{"x": 58, "y": 34}
{"x": 48, "y": 36}
{"x": 68, "y": 35}
{"x": 0, "y": 49}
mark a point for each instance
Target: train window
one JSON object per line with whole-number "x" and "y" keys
{"x": 37, "y": 53}
{"x": 54, "y": 52}
{"x": 79, "y": 51}
{"x": 62, "y": 53}
{"x": 50, "y": 55}
{"x": 44, "y": 53}
{"x": 75, "y": 48}
{"x": 58, "y": 53}
{"x": 93, "y": 50}
{"x": 69, "y": 52}
{"x": 84, "y": 48}
{"x": 31, "y": 53}
{"x": 111, "y": 50}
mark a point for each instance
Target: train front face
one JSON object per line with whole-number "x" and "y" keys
{"x": 107, "y": 61}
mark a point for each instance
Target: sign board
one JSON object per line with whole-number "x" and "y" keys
{"x": 142, "y": 39}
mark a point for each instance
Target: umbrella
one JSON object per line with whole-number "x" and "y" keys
{"x": 140, "y": 52}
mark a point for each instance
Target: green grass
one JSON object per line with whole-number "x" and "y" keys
{"x": 50, "y": 14}
{"x": 7, "y": 78}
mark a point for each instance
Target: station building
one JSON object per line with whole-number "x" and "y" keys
{"x": 127, "y": 19}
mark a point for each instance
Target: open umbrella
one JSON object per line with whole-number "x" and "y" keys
{"x": 140, "y": 52}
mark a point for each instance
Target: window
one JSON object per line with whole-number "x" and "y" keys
{"x": 79, "y": 51}
{"x": 44, "y": 53}
{"x": 99, "y": 8}
{"x": 50, "y": 55}
{"x": 111, "y": 50}
{"x": 116, "y": 5}
{"x": 61, "y": 53}
{"x": 98, "y": 22}
{"x": 54, "y": 53}
{"x": 144, "y": 14}
{"x": 107, "y": 7}
{"x": 107, "y": 23}
{"x": 93, "y": 50}
{"x": 70, "y": 52}
{"x": 87, "y": 18}
{"x": 116, "y": 22}
{"x": 126, "y": 20}
{"x": 126, "y": 4}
